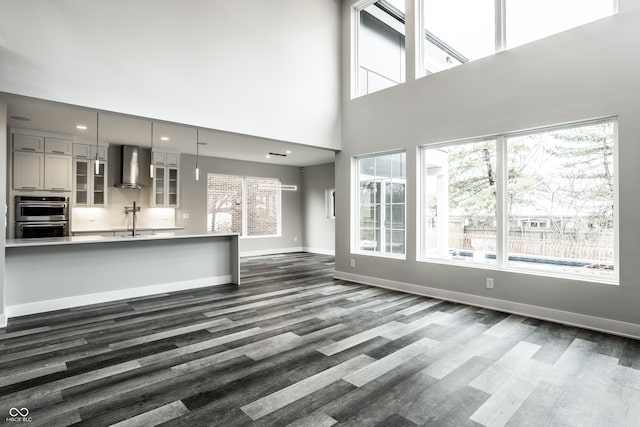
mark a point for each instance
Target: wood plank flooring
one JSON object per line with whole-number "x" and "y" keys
{"x": 294, "y": 347}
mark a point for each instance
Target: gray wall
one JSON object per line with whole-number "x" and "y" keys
{"x": 3, "y": 201}
{"x": 318, "y": 231}
{"x": 584, "y": 73}
{"x": 193, "y": 200}
{"x": 263, "y": 68}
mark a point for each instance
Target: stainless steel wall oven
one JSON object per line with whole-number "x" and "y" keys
{"x": 41, "y": 216}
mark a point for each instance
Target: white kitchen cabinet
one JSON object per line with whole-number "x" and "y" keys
{"x": 24, "y": 142}
{"x": 88, "y": 151}
{"x": 102, "y": 152}
{"x": 57, "y": 146}
{"x": 165, "y": 159}
{"x": 172, "y": 159}
{"x": 165, "y": 179}
{"x": 89, "y": 187}
{"x": 57, "y": 172}
{"x": 81, "y": 151}
{"x": 28, "y": 170}
{"x": 158, "y": 158}
{"x": 41, "y": 161}
{"x": 165, "y": 187}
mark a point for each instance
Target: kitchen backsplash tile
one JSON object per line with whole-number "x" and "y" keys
{"x": 113, "y": 216}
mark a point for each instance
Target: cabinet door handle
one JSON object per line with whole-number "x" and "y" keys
{"x": 58, "y": 152}
{"x": 28, "y": 188}
{"x": 28, "y": 149}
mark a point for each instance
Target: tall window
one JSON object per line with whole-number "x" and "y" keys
{"x": 542, "y": 200}
{"x": 380, "y": 213}
{"x": 380, "y": 50}
{"x": 459, "y": 206}
{"x": 459, "y": 31}
{"x": 245, "y": 205}
{"x": 560, "y": 199}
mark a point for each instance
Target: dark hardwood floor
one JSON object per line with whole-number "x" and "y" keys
{"x": 293, "y": 346}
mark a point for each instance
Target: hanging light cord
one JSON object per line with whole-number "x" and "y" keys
{"x": 97, "y": 167}
{"x": 197, "y": 153}
{"x": 151, "y": 163}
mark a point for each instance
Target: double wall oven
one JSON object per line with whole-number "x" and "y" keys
{"x": 41, "y": 216}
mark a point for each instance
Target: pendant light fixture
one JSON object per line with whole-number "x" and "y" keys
{"x": 97, "y": 131}
{"x": 151, "y": 163}
{"x": 197, "y": 153}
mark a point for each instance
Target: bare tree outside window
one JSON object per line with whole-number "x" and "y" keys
{"x": 246, "y": 205}
{"x": 559, "y": 200}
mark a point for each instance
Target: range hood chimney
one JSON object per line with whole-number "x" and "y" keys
{"x": 134, "y": 165}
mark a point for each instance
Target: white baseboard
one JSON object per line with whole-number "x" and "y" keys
{"x": 270, "y": 251}
{"x": 3, "y": 320}
{"x": 80, "y": 300}
{"x": 599, "y": 324}
{"x": 319, "y": 251}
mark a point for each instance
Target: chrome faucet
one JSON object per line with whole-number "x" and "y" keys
{"x": 133, "y": 209}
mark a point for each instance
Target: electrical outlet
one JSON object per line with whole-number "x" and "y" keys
{"x": 353, "y": 263}
{"x": 185, "y": 215}
{"x": 489, "y": 283}
{"x": 295, "y": 239}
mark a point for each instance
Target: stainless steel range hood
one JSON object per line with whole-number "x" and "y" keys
{"x": 134, "y": 167}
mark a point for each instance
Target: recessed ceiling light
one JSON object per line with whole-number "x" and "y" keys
{"x": 81, "y": 127}
{"x": 268, "y": 156}
{"x": 20, "y": 118}
{"x": 164, "y": 138}
{"x": 288, "y": 151}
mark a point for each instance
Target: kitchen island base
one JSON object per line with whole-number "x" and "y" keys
{"x": 53, "y": 274}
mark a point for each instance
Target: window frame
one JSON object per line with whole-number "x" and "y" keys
{"x": 245, "y": 206}
{"x": 502, "y": 217}
{"x": 356, "y": 9}
{"x": 500, "y": 32}
{"x": 356, "y": 208}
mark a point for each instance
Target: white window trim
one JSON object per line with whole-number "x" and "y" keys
{"x": 501, "y": 212}
{"x": 355, "y": 43}
{"x": 355, "y": 210}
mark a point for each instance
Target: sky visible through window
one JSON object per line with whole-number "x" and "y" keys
{"x": 468, "y": 25}
{"x": 529, "y": 20}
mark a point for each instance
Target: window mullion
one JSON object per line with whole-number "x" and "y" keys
{"x": 501, "y": 202}
{"x": 245, "y": 207}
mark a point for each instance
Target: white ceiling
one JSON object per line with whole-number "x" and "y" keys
{"x": 131, "y": 130}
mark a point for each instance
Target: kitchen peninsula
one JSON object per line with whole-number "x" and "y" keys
{"x": 56, "y": 273}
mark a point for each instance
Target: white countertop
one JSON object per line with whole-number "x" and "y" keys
{"x": 56, "y": 241}
{"x": 125, "y": 229}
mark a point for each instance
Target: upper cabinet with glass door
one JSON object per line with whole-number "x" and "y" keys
{"x": 89, "y": 184}
{"x": 166, "y": 169}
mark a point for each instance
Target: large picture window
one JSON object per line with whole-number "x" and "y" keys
{"x": 246, "y": 205}
{"x": 543, "y": 200}
{"x": 459, "y": 206}
{"x": 380, "y": 213}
